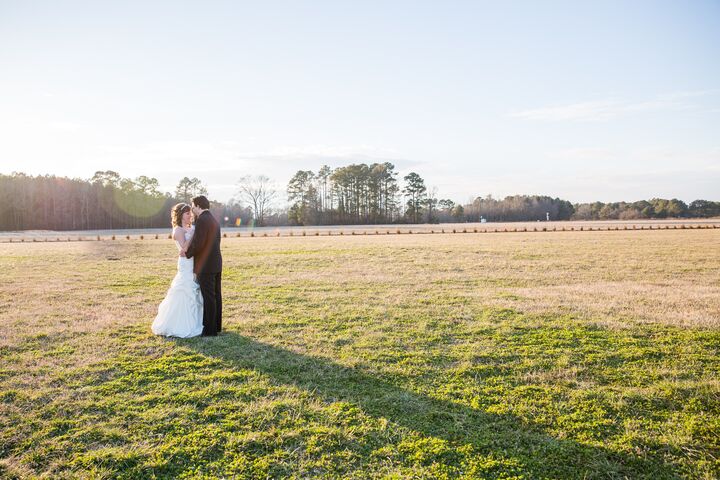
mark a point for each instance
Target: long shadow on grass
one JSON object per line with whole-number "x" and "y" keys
{"x": 542, "y": 456}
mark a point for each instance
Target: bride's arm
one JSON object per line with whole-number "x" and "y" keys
{"x": 179, "y": 237}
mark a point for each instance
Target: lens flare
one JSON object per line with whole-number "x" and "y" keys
{"x": 139, "y": 206}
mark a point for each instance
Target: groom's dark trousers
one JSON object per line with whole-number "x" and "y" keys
{"x": 210, "y": 287}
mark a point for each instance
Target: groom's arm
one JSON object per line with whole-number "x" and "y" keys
{"x": 198, "y": 238}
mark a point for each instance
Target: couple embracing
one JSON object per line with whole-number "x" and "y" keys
{"x": 193, "y": 304}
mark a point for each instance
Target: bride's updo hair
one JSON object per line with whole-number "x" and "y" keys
{"x": 177, "y": 212}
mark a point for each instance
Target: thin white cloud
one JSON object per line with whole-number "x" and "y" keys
{"x": 603, "y": 110}
{"x": 330, "y": 151}
{"x": 582, "y": 154}
{"x": 598, "y": 174}
{"x": 314, "y": 156}
{"x": 221, "y": 156}
{"x": 65, "y": 126}
{"x": 687, "y": 184}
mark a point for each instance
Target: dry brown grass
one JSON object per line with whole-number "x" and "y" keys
{"x": 473, "y": 319}
{"x": 614, "y": 278}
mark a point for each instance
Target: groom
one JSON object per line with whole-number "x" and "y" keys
{"x": 205, "y": 247}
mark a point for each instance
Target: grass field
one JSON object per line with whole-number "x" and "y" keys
{"x": 515, "y": 355}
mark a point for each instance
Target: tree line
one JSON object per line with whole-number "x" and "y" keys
{"x": 352, "y": 194}
{"x": 365, "y": 194}
{"x": 528, "y": 208}
{"x": 371, "y": 194}
{"x": 105, "y": 201}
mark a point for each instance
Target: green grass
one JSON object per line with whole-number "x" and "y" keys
{"x": 555, "y": 355}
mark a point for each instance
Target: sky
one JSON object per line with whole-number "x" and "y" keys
{"x": 582, "y": 100}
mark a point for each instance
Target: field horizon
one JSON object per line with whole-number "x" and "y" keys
{"x": 522, "y": 355}
{"x": 381, "y": 229}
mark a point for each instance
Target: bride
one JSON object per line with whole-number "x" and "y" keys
{"x": 181, "y": 312}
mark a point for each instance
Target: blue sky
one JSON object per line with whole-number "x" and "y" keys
{"x": 583, "y": 100}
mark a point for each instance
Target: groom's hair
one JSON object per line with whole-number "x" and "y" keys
{"x": 201, "y": 201}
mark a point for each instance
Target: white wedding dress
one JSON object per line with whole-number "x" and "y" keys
{"x": 181, "y": 312}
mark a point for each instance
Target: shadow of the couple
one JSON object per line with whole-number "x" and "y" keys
{"x": 539, "y": 454}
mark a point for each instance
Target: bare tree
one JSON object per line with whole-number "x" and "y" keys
{"x": 258, "y": 192}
